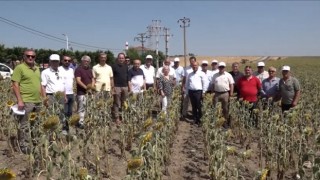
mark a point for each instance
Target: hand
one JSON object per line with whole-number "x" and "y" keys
{"x": 20, "y": 106}
{"x": 65, "y": 99}
{"x": 294, "y": 104}
{"x": 45, "y": 101}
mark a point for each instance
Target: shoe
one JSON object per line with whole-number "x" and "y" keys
{"x": 80, "y": 126}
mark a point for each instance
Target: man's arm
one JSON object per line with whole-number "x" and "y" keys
{"x": 231, "y": 86}
{"x": 80, "y": 83}
{"x": 296, "y": 98}
{"x": 16, "y": 90}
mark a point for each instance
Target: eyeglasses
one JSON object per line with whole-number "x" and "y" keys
{"x": 67, "y": 60}
{"x": 57, "y": 75}
{"x": 221, "y": 67}
{"x": 271, "y": 71}
{"x": 204, "y": 64}
{"x": 30, "y": 56}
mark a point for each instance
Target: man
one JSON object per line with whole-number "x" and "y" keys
{"x": 128, "y": 62}
{"x": 120, "y": 90}
{"x": 289, "y": 89}
{"x": 236, "y": 74}
{"x": 214, "y": 66}
{"x": 270, "y": 86}
{"x": 261, "y": 74}
{"x": 67, "y": 74}
{"x": 103, "y": 77}
{"x": 196, "y": 85}
{"x": 26, "y": 86}
{"x": 208, "y": 73}
{"x": 185, "y": 101}
{"x": 149, "y": 72}
{"x": 52, "y": 83}
{"x": 73, "y": 64}
{"x": 136, "y": 78}
{"x": 178, "y": 70}
{"x": 85, "y": 82}
{"x": 222, "y": 86}
{"x": 166, "y": 62}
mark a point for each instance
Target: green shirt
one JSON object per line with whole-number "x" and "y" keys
{"x": 288, "y": 89}
{"x": 29, "y": 81}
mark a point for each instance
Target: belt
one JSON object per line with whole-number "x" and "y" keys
{"x": 221, "y": 92}
{"x": 50, "y": 94}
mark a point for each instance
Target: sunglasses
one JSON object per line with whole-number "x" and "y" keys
{"x": 57, "y": 75}
{"x": 221, "y": 67}
{"x": 30, "y": 56}
{"x": 204, "y": 64}
{"x": 67, "y": 60}
{"x": 271, "y": 71}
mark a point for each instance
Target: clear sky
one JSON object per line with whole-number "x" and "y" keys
{"x": 217, "y": 28}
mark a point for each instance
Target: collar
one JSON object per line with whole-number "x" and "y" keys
{"x": 52, "y": 70}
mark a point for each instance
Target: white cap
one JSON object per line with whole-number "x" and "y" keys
{"x": 214, "y": 61}
{"x": 54, "y": 57}
{"x": 204, "y": 62}
{"x": 261, "y": 64}
{"x": 222, "y": 64}
{"x": 149, "y": 57}
{"x": 285, "y": 68}
{"x": 176, "y": 59}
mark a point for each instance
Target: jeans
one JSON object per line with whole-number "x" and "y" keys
{"x": 68, "y": 106}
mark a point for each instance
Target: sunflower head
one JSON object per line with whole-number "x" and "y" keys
{"x": 51, "y": 123}
{"x": 135, "y": 163}
{"x": 7, "y": 174}
{"x": 147, "y": 123}
{"x": 83, "y": 173}
{"x": 147, "y": 138}
{"x": 10, "y": 103}
{"x": 32, "y": 116}
{"x": 74, "y": 119}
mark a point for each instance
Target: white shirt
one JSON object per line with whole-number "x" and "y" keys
{"x": 52, "y": 80}
{"x": 261, "y": 76}
{"x": 179, "y": 73}
{"x": 67, "y": 75}
{"x": 222, "y": 82}
{"x": 197, "y": 81}
{"x": 149, "y": 73}
{"x": 171, "y": 72}
{"x": 208, "y": 75}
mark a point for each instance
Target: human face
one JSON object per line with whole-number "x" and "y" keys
{"x": 272, "y": 73}
{"x": 66, "y": 61}
{"x": 167, "y": 62}
{"x": 192, "y": 60}
{"x": 204, "y": 67}
{"x": 85, "y": 63}
{"x": 54, "y": 64}
{"x": 165, "y": 70}
{"x": 221, "y": 69}
{"x": 235, "y": 68}
{"x": 136, "y": 64}
{"x": 214, "y": 66}
{"x": 102, "y": 59}
{"x": 148, "y": 62}
{"x": 260, "y": 69}
{"x": 29, "y": 57}
{"x": 247, "y": 71}
{"x": 128, "y": 61}
{"x": 195, "y": 67}
{"x": 121, "y": 58}
{"x": 285, "y": 73}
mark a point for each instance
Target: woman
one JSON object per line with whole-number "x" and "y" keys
{"x": 166, "y": 84}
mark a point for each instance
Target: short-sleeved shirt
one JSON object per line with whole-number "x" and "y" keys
{"x": 261, "y": 76}
{"x": 67, "y": 75}
{"x": 288, "y": 89}
{"x": 29, "y": 80}
{"x": 120, "y": 75}
{"x": 149, "y": 73}
{"x": 52, "y": 80}
{"x": 171, "y": 72}
{"x": 236, "y": 77}
{"x": 270, "y": 87}
{"x": 179, "y": 74}
{"x": 249, "y": 88}
{"x": 136, "y": 77}
{"x": 86, "y": 78}
{"x": 102, "y": 75}
{"x": 222, "y": 82}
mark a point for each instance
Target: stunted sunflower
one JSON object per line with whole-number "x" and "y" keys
{"x": 7, "y": 174}
{"x": 83, "y": 173}
{"x": 10, "y": 103}
{"x": 147, "y": 123}
{"x": 51, "y": 123}
{"x": 59, "y": 95}
{"x": 264, "y": 174}
{"x": 158, "y": 126}
{"x": 74, "y": 119}
{"x": 32, "y": 116}
{"x": 135, "y": 163}
{"x": 146, "y": 138}
{"x": 125, "y": 105}
{"x": 100, "y": 104}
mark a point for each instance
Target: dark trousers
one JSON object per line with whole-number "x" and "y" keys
{"x": 195, "y": 98}
{"x": 149, "y": 86}
{"x": 285, "y": 107}
{"x": 68, "y": 105}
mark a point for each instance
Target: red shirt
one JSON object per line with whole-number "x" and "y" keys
{"x": 249, "y": 88}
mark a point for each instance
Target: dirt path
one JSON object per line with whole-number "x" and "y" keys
{"x": 187, "y": 158}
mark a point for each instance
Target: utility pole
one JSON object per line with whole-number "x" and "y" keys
{"x": 185, "y": 23}
{"x": 142, "y": 39}
{"x": 154, "y": 30}
{"x": 166, "y": 39}
{"x": 67, "y": 41}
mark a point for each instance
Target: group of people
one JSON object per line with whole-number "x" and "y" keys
{"x": 33, "y": 87}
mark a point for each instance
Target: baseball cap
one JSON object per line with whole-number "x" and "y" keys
{"x": 149, "y": 57}
{"x": 214, "y": 61}
{"x": 261, "y": 64}
{"x": 176, "y": 59}
{"x": 222, "y": 64}
{"x": 285, "y": 68}
{"x": 204, "y": 62}
{"x": 54, "y": 57}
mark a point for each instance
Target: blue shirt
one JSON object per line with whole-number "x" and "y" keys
{"x": 270, "y": 87}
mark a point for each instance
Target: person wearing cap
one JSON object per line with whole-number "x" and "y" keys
{"x": 149, "y": 72}
{"x": 208, "y": 73}
{"x": 52, "y": 83}
{"x": 178, "y": 70}
{"x": 214, "y": 66}
{"x": 136, "y": 78}
{"x": 197, "y": 83}
{"x": 120, "y": 90}
{"x": 270, "y": 85}
{"x": 85, "y": 82}
{"x": 261, "y": 74}
{"x": 289, "y": 89}
{"x": 236, "y": 74}
{"x": 184, "y": 90}
{"x": 26, "y": 85}
{"x": 67, "y": 75}
{"x": 103, "y": 77}
{"x": 222, "y": 86}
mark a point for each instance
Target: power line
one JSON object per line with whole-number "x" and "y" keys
{"x": 48, "y": 36}
{"x": 142, "y": 39}
{"x": 185, "y": 23}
